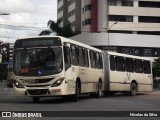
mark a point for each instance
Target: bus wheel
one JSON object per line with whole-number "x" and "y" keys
{"x": 76, "y": 96}
{"x": 99, "y": 92}
{"x": 35, "y": 99}
{"x": 133, "y": 89}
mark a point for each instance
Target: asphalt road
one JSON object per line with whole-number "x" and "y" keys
{"x": 111, "y": 107}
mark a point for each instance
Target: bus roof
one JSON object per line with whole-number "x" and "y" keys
{"x": 129, "y": 56}
{"x": 63, "y": 39}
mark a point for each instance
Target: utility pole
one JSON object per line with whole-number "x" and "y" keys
{"x": 108, "y": 33}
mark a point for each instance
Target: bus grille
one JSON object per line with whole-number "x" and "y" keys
{"x": 37, "y": 92}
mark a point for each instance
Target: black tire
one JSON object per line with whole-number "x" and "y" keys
{"x": 99, "y": 91}
{"x": 35, "y": 99}
{"x": 133, "y": 89}
{"x": 76, "y": 95}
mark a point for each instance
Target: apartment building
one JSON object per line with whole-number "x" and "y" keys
{"x": 112, "y": 24}
{"x": 70, "y": 11}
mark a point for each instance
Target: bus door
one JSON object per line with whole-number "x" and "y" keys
{"x": 82, "y": 69}
{"x": 129, "y": 67}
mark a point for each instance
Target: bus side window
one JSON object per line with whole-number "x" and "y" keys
{"x": 67, "y": 58}
{"x": 86, "y": 58}
{"x": 120, "y": 63}
{"x": 100, "y": 61}
{"x": 112, "y": 63}
{"x": 138, "y": 66}
{"x": 74, "y": 55}
{"x": 129, "y": 65}
{"x": 81, "y": 57}
{"x": 92, "y": 59}
{"x": 77, "y": 54}
{"x": 146, "y": 67}
{"x": 95, "y": 59}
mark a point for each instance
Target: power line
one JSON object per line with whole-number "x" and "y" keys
{"x": 4, "y": 13}
{"x": 22, "y": 23}
{"x": 27, "y": 27}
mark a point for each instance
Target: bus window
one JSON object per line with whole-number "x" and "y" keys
{"x": 81, "y": 57}
{"x": 112, "y": 63}
{"x": 146, "y": 67}
{"x": 74, "y": 55}
{"x": 138, "y": 66}
{"x": 67, "y": 57}
{"x": 98, "y": 61}
{"x": 120, "y": 63}
{"x": 77, "y": 54}
{"x": 129, "y": 65}
{"x": 101, "y": 61}
{"x": 86, "y": 58}
{"x": 92, "y": 59}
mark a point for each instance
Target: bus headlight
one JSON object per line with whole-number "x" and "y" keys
{"x": 18, "y": 84}
{"x": 57, "y": 82}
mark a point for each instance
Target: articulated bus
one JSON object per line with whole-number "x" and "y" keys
{"x": 58, "y": 66}
{"x": 127, "y": 73}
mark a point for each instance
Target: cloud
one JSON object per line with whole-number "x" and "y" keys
{"x": 32, "y": 15}
{"x": 15, "y": 6}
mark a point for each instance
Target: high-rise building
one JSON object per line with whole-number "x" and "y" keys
{"x": 70, "y": 11}
{"x": 132, "y": 16}
{"x": 127, "y": 26}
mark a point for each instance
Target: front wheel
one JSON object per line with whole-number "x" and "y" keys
{"x": 133, "y": 89}
{"x": 76, "y": 95}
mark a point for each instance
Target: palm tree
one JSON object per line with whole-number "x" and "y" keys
{"x": 64, "y": 31}
{"x": 45, "y": 32}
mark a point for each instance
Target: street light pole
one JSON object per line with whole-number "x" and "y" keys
{"x": 108, "y": 33}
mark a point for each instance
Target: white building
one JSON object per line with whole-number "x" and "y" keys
{"x": 120, "y": 24}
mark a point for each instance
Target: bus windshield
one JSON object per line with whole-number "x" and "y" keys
{"x": 38, "y": 61}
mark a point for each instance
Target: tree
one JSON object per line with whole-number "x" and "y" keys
{"x": 64, "y": 31}
{"x": 156, "y": 67}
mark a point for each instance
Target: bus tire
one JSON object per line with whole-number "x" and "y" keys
{"x": 76, "y": 95}
{"x": 133, "y": 89}
{"x": 99, "y": 91}
{"x": 35, "y": 99}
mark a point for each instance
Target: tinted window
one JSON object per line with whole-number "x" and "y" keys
{"x": 81, "y": 57}
{"x": 120, "y": 64}
{"x": 138, "y": 66}
{"x": 67, "y": 58}
{"x": 112, "y": 63}
{"x": 92, "y": 59}
{"x": 146, "y": 67}
{"x": 86, "y": 58}
{"x": 129, "y": 65}
{"x": 74, "y": 55}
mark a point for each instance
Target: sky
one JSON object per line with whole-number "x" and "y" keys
{"x": 26, "y": 17}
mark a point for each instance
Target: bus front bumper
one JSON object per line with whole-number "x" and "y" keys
{"x": 40, "y": 91}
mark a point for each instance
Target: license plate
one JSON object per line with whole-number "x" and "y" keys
{"x": 29, "y": 81}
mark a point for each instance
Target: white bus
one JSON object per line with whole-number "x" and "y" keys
{"x": 56, "y": 66}
{"x": 127, "y": 73}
